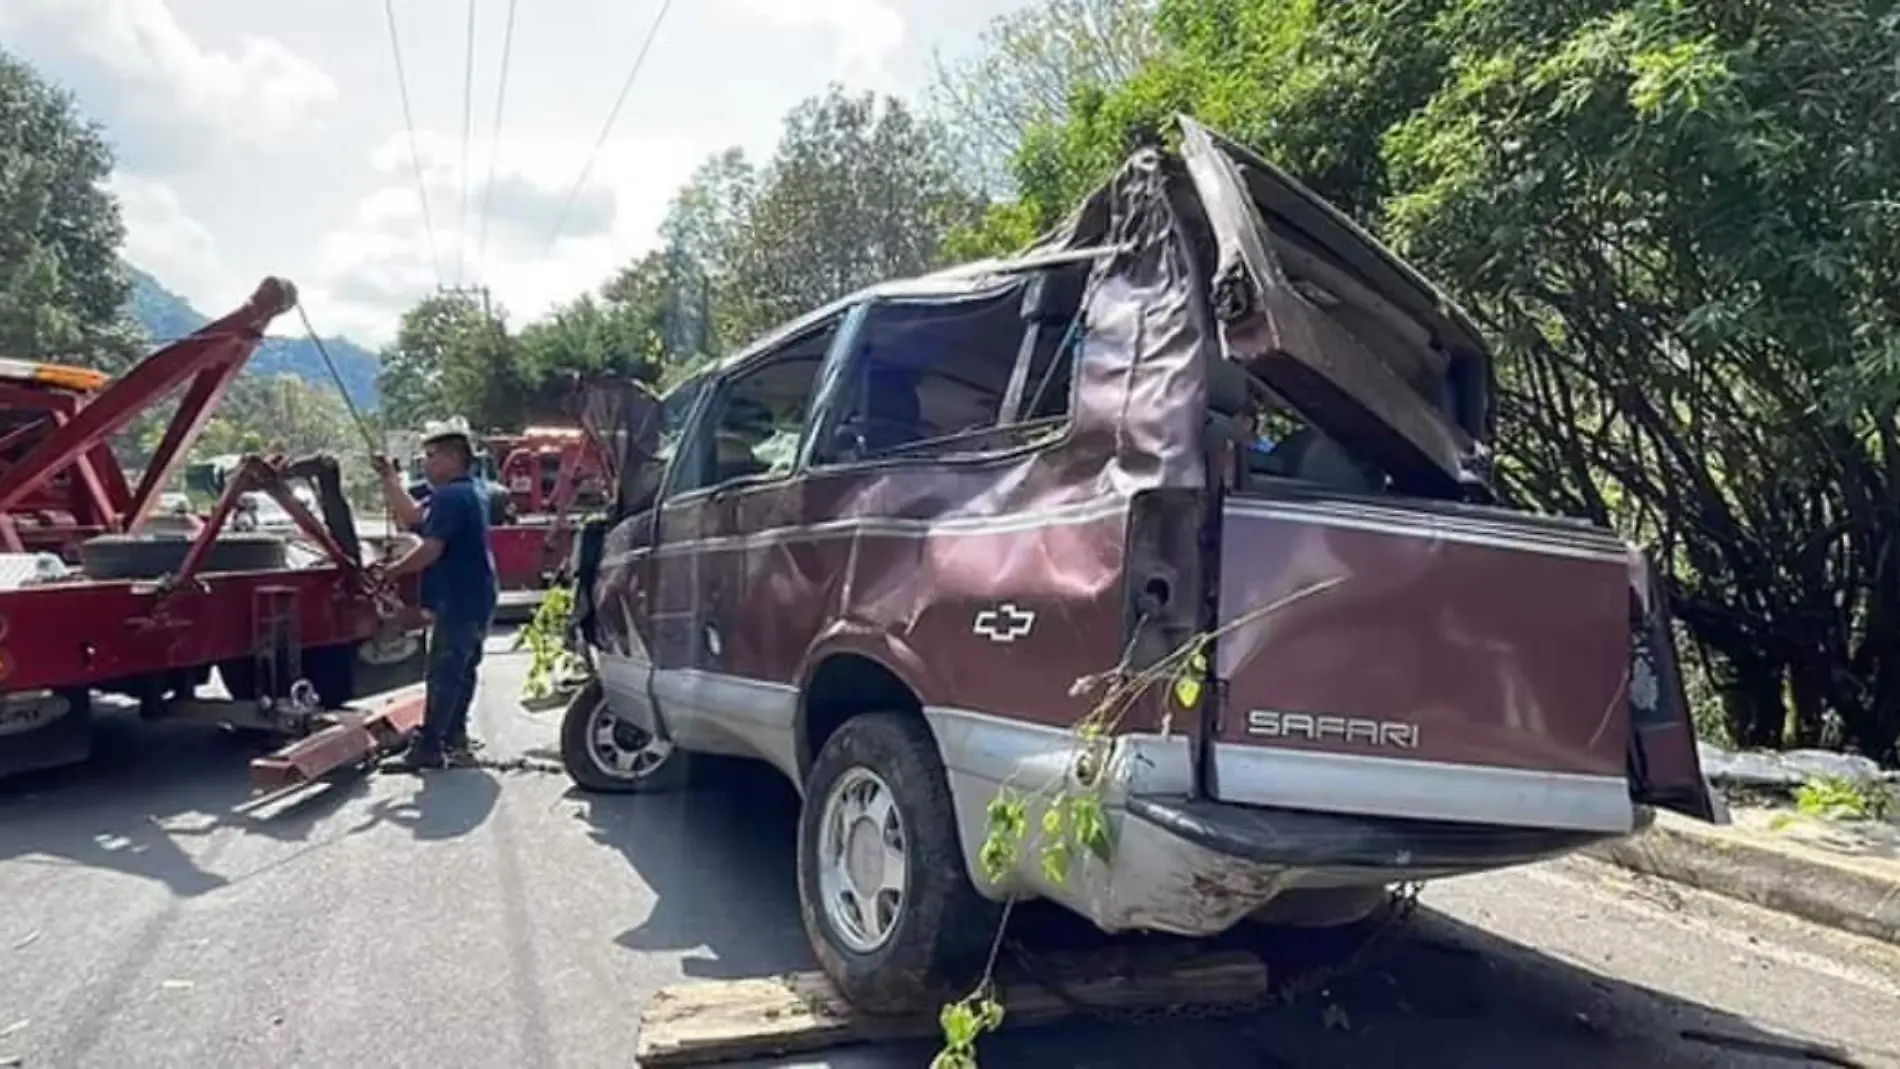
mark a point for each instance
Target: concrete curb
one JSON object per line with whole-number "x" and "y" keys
{"x": 1789, "y": 878}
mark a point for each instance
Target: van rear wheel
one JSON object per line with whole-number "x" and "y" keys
{"x": 883, "y": 890}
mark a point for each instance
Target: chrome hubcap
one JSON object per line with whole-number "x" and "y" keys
{"x": 621, "y": 749}
{"x": 861, "y": 869}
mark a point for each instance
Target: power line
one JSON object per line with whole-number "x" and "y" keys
{"x": 638, "y": 60}
{"x": 415, "y": 157}
{"x": 494, "y": 144}
{"x": 336, "y": 376}
{"x": 468, "y": 124}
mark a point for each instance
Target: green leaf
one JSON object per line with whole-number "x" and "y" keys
{"x": 1187, "y": 681}
{"x": 1092, "y": 827}
{"x": 1054, "y": 819}
{"x": 960, "y": 1024}
{"x": 1055, "y": 862}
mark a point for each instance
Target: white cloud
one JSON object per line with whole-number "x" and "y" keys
{"x": 378, "y": 264}
{"x": 164, "y": 240}
{"x": 169, "y": 100}
{"x": 867, "y": 32}
{"x": 268, "y": 138}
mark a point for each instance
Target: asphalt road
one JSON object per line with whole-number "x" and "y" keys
{"x": 478, "y": 919}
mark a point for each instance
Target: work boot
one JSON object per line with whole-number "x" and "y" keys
{"x": 417, "y": 758}
{"x": 462, "y": 754}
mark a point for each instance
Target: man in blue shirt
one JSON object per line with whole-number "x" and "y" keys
{"x": 458, "y": 587}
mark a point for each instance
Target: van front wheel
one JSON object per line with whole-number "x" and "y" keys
{"x": 884, "y": 893}
{"x": 602, "y": 752}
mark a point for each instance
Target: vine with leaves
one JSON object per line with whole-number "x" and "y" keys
{"x": 553, "y": 660}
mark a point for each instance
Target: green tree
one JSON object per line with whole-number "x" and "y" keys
{"x": 1025, "y": 71}
{"x": 669, "y": 293}
{"x": 588, "y": 337}
{"x": 857, "y": 191}
{"x": 451, "y": 358}
{"x": 701, "y": 236}
{"x": 1675, "y": 220}
{"x": 62, "y": 293}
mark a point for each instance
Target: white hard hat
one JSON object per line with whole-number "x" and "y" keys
{"x": 442, "y": 430}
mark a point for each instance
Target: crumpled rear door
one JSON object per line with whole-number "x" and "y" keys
{"x": 623, "y": 418}
{"x": 1666, "y": 768}
{"x": 1353, "y": 340}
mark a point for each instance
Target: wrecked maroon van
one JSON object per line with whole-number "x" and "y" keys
{"x": 879, "y": 548}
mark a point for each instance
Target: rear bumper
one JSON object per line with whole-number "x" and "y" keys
{"x": 1195, "y": 867}
{"x": 1185, "y": 863}
{"x": 1290, "y": 839}
{"x": 1413, "y": 791}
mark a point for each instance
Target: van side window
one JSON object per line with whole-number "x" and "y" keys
{"x": 756, "y": 420}
{"x": 950, "y": 376}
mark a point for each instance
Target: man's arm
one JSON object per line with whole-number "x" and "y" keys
{"x": 425, "y": 554}
{"x": 406, "y": 510}
{"x": 451, "y": 516}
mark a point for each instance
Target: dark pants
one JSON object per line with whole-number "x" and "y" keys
{"x": 455, "y": 654}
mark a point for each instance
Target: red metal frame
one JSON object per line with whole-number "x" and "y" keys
{"x": 351, "y": 739}
{"x": 92, "y": 632}
{"x": 578, "y": 456}
{"x": 527, "y": 552}
{"x": 77, "y": 431}
{"x": 94, "y": 495}
{"x": 84, "y": 634}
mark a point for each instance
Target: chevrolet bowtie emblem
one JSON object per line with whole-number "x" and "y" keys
{"x": 1004, "y": 624}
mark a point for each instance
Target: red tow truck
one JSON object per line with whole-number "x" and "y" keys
{"x": 94, "y": 601}
{"x": 552, "y": 476}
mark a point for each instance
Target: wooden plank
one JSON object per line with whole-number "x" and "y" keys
{"x": 707, "y": 1022}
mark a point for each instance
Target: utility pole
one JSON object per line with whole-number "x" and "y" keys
{"x": 466, "y": 292}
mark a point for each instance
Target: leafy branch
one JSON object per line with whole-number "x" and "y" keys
{"x": 553, "y": 659}
{"x": 1073, "y": 824}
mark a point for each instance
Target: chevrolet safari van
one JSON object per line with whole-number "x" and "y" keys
{"x": 879, "y": 548}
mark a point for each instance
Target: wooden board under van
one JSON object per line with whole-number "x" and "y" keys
{"x": 708, "y": 1022}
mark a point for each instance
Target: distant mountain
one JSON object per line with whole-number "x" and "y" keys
{"x": 167, "y": 317}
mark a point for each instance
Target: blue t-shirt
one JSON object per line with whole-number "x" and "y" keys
{"x": 461, "y": 582}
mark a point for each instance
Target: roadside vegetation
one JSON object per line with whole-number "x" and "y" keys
{"x": 1844, "y": 798}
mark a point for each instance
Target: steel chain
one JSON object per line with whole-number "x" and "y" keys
{"x": 1398, "y": 909}
{"x": 514, "y": 764}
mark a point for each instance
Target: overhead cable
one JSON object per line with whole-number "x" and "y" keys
{"x": 468, "y": 125}
{"x": 409, "y": 122}
{"x": 494, "y": 140}
{"x": 606, "y": 128}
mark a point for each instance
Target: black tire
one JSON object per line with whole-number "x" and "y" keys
{"x": 65, "y": 741}
{"x": 141, "y": 557}
{"x": 589, "y": 768}
{"x": 944, "y": 928}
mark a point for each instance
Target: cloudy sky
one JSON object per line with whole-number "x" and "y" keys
{"x": 259, "y": 138}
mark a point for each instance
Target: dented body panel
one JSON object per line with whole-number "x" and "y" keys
{"x": 1443, "y": 666}
{"x": 1403, "y": 684}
